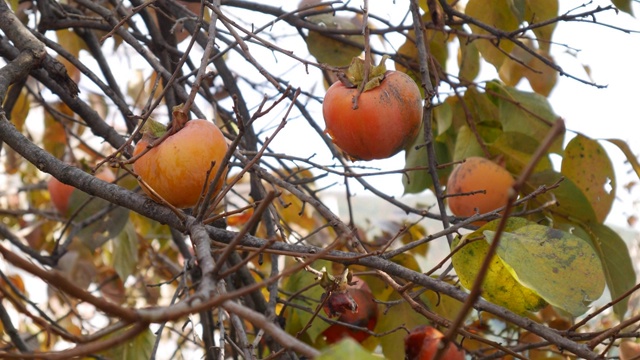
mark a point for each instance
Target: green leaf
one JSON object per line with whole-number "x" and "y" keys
{"x": 106, "y": 220}
{"x": 524, "y": 112}
{"x": 498, "y": 14}
{"x": 499, "y": 286}
{"x": 466, "y": 144}
{"x": 441, "y": 304}
{"x": 139, "y": 347}
{"x": 616, "y": 263}
{"x": 125, "y": 252}
{"x": 571, "y": 202}
{"x": 516, "y": 149}
{"x": 297, "y": 319}
{"x": 624, "y": 5}
{"x": 468, "y": 60}
{"x": 481, "y": 106}
{"x": 436, "y": 41}
{"x": 443, "y": 115}
{"x": 631, "y": 157}
{"x": 586, "y": 163}
{"x": 330, "y": 50}
{"x": 517, "y": 8}
{"x": 560, "y": 267}
{"x": 416, "y": 181}
{"x": 347, "y": 349}
{"x": 438, "y": 47}
{"x": 537, "y": 11}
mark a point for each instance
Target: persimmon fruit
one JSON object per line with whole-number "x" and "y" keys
{"x": 356, "y": 306}
{"x": 478, "y": 174}
{"x": 60, "y": 193}
{"x": 386, "y": 120}
{"x": 423, "y": 342}
{"x": 176, "y": 169}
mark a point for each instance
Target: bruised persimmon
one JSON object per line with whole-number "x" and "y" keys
{"x": 60, "y": 193}
{"x": 176, "y": 169}
{"x": 386, "y": 119}
{"x": 354, "y": 305}
{"x": 490, "y": 182}
{"x": 423, "y": 342}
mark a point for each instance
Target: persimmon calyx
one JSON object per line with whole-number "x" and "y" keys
{"x": 336, "y": 283}
{"x": 153, "y": 129}
{"x": 180, "y": 118}
{"x": 356, "y": 73}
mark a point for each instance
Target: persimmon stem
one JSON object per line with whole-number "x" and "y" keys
{"x": 367, "y": 53}
{"x": 180, "y": 118}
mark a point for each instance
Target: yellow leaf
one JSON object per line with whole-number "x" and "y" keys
{"x": 512, "y": 70}
{"x": 347, "y": 349}
{"x": 631, "y": 157}
{"x": 16, "y": 282}
{"x": 498, "y": 14}
{"x": 12, "y": 161}
{"x": 561, "y": 268}
{"x": 468, "y": 60}
{"x": 586, "y": 163}
{"x": 21, "y": 109}
{"x": 438, "y": 51}
{"x": 499, "y": 286}
{"x": 19, "y": 114}
{"x": 72, "y": 44}
{"x": 441, "y": 304}
{"x": 541, "y": 76}
{"x": 537, "y": 11}
{"x": 99, "y": 104}
{"x": 55, "y": 135}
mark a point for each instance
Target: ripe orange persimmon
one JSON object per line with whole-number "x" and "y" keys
{"x": 60, "y": 193}
{"x": 354, "y": 305}
{"x": 386, "y": 120}
{"x": 476, "y": 174}
{"x": 422, "y": 344}
{"x": 176, "y": 169}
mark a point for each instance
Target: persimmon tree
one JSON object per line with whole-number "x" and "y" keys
{"x": 264, "y": 266}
